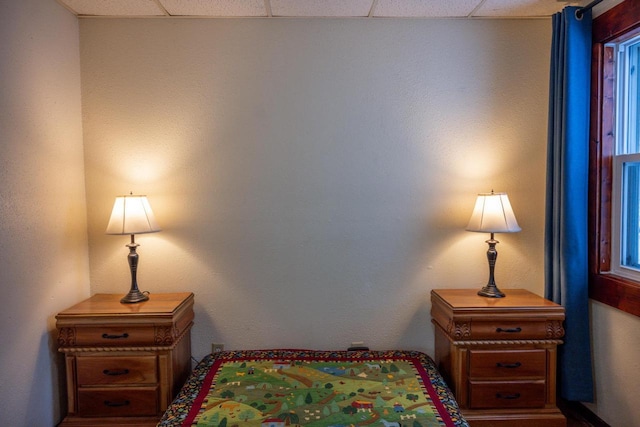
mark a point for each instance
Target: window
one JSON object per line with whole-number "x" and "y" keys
{"x": 625, "y": 249}
{"x": 614, "y": 181}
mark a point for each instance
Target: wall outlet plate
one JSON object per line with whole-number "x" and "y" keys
{"x": 217, "y": 347}
{"x": 358, "y": 346}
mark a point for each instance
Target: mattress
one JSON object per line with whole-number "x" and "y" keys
{"x": 277, "y": 388}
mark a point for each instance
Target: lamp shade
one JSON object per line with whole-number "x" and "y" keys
{"x": 132, "y": 215}
{"x": 493, "y": 214}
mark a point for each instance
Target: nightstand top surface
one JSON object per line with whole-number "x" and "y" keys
{"x": 514, "y": 298}
{"x": 109, "y": 304}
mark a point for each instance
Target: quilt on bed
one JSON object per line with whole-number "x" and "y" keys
{"x": 277, "y": 388}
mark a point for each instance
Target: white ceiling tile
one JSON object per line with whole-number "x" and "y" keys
{"x": 425, "y": 8}
{"x": 521, "y": 8}
{"x": 215, "y": 7}
{"x": 115, "y": 7}
{"x": 599, "y": 9}
{"x": 321, "y": 7}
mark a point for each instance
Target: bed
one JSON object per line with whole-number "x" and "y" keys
{"x": 277, "y": 388}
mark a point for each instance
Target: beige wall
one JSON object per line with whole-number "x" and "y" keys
{"x": 309, "y": 176}
{"x": 616, "y": 342}
{"x": 43, "y": 239}
{"x": 313, "y": 178}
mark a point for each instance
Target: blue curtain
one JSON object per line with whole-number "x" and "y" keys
{"x": 566, "y": 252}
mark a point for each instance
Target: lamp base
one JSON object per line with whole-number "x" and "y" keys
{"x": 491, "y": 292}
{"x": 134, "y": 296}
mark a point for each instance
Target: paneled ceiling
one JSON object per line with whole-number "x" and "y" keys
{"x": 319, "y": 8}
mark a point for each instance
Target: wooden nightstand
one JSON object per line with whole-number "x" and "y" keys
{"x": 498, "y": 355}
{"x": 124, "y": 362}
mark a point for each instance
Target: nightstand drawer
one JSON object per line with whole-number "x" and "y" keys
{"x": 508, "y": 329}
{"x": 117, "y": 402}
{"x": 124, "y": 362}
{"x": 512, "y": 394}
{"x": 116, "y": 336}
{"x": 498, "y": 355}
{"x": 117, "y": 370}
{"x": 507, "y": 363}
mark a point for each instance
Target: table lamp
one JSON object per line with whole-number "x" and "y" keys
{"x": 132, "y": 215}
{"x": 492, "y": 214}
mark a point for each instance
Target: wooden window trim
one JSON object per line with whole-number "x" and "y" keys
{"x": 621, "y": 21}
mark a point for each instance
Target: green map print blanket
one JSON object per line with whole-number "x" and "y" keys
{"x": 315, "y": 389}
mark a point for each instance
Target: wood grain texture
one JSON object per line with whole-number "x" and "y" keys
{"x": 124, "y": 362}
{"x": 498, "y": 355}
{"x": 622, "y": 21}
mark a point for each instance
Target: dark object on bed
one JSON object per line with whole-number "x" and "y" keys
{"x": 314, "y": 388}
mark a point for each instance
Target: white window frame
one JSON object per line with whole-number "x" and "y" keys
{"x": 624, "y": 153}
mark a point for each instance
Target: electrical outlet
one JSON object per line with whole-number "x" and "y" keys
{"x": 358, "y": 346}
{"x": 217, "y": 347}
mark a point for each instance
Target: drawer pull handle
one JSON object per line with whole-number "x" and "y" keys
{"x": 510, "y": 330}
{"x": 508, "y": 396}
{"x": 508, "y": 365}
{"x": 115, "y": 337}
{"x": 115, "y": 372}
{"x": 116, "y": 404}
